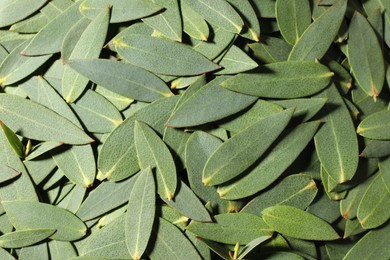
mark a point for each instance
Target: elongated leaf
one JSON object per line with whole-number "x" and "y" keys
{"x": 97, "y": 113}
{"x": 372, "y": 211}
{"x": 270, "y": 49}
{"x": 170, "y": 243}
{"x": 35, "y": 121}
{"x": 365, "y": 56}
{"x": 376, "y": 126}
{"x": 251, "y": 245}
{"x": 376, "y": 148}
{"x": 296, "y": 190}
{"x": 61, "y": 249}
{"x": 119, "y": 101}
{"x": 293, "y": 18}
{"x": 122, "y": 11}
{"x": 316, "y": 39}
{"x": 56, "y": 31}
{"x": 108, "y": 242}
{"x": 16, "y": 67}
{"x": 251, "y": 29}
{"x": 151, "y": 151}
{"x": 371, "y": 246}
{"x": 272, "y": 164}
{"x": 13, "y": 11}
{"x": 41, "y": 149}
{"x": 88, "y": 46}
{"x": 167, "y": 22}
{"x": 282, "y": 80}
{"x": 196, "y": 105}
{"x": 38, "y": 251}
{"x": 72, "y": 38}
{"x": 23, "y": 238}
{"x": 164, "y": 56}
{"x": 140, "y": 213}
{"x": 78, "y": 164}
{"x": 264, "y": 8}
{"x": 68, "y": 226}
{"x": 305, "y": 108}
{"x": 193, "y": 23}
{"x": 7, "y": 173}
{"x": 243, "y": 149}
{"x": 188, "y": 204}
{"x": 220, "y": 13}
{"x": 230, "y": 228}
{"x": 118, "y": 157}
{"x": 297, "y": 223}
{"x": 235, "y": 61}
{"x": 336, "y": 142}
{"x": 13, "y": 140}
{"x": 121, "y": 78}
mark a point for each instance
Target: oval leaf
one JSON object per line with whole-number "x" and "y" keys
{"x": 282, "y": 80}
{"x": 294, "y": 222}
{"x": 376, "y": 126}
{"x": 37, "y": 122}
{"x": 68, "y": 226}
{"x": 162, "y": 56}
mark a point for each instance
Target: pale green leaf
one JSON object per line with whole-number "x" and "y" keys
{"x": 193, "y": 23}
{"x": 68, "y": 226}
{"x": 23, "y": 238}
{"x": 13, "y": 140}
{"x": 61, "y": 250}
{"x": 12, "y": 11}
{"x": 152, "y": 151}
{"x": 7, "y": 173}
{"x": 122, "y": 78}
{"x": 270, "y": 49}
{"x": 230, "y": 228}
{"x": 239, "y": 152}
{"x": 294, "y": 222}
{"x": 162, "y": 56}
{"x": 119, "y": 101}
{"x": 35, "y": 121}
{"x": 376, "y": 126}
{"x": 38, "y": 251}
{"x": 317, "y": 38}
{"x": 235, "y": 60}
{"x": 140, "y": 213}
{"x": 41, "y": 149}
{"x": 291, "y": 79}
{"x": 31, "y": 24}
{"x": 365, "y": 56}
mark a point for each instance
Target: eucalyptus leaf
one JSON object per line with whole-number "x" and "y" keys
{"x": 13, "y": 140}
{"x": 375, "y": 126}
{"x": 7, "y": 173}
{"x": 15, "y": 10}
{"x": 23, "y": 238}
{"x": 291, "y": 79}
{"x": 193, "y": 23}
{"x": 235, "y": 61}
{"x": 270, "y": 49}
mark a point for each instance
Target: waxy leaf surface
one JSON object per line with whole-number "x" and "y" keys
{"x": 24, "y": 238}
{"x": 13, "y": 11}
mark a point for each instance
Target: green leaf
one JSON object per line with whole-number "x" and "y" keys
{"x": 122, "y": 11}
{"x": 104, "y": 198}
{"x": 163, "y": 56}
{"x": 13, "y": 140}
{"x": 168, "y": 22}
{"x": 316, "y": 39}
{"x": 193, "y": 23}
{"x": 41, "y": 148}
{"x": 122, "y": 78}
{"x": 294, "y": 222}
{"x": 170, "y": 243}
{"x": 188, "y": 204}
{"x": 13, "y": 11}
{"x": 305, "y": 108}
{"x": 118, "y": 157}
{"x": 23, "y": 238}
{"x": 218, "y": 12}
{"x": 87, "y": 46}
{"x": 140, "y": 213}
{"x": 31, "y": 24}
{"x": 384, "y": 167}
{"x": 264, "y": 8}
{"x": 291, "y": 79}
{"x": 272, "y": 164}
{"x": 152, "y": 151}
{"x": 235, "y": 60}
{"x": 230, "y": 228}
{"x": 7, "y": 173}
{"x": 68, "y": 226}
{"x": 251, "y": 29}
{"x": 108, "y": 242}
{"x": 376, "y": 148}
{"x": 97, "y": 113}
{"x": 195, "y": 106}
{"x": 336, "y": 142}
{"x": 270, "y": 49}
{"x": 16, "y": 67}
{"x": 239, "y": 152}
{"x": 372, "y": 211}
{"x": 293, "y": 18}
{"x": 77, "y": 163}
{"x": 119, "y": 101}
{"x": 375, "y": 126}
{"x": 56, "y": 31}
{"x": 38, "y": 251}
{"x": 365, "y": 56}
{"x": 251, "y": 245}
{"x": 61, "y": 249}
{"x": 35, "y": 121}
{"x": 297, "y": 190}
{"x": 371, "y": 246}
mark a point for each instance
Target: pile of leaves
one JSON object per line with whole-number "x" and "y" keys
{"x": 194, "y": 129}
